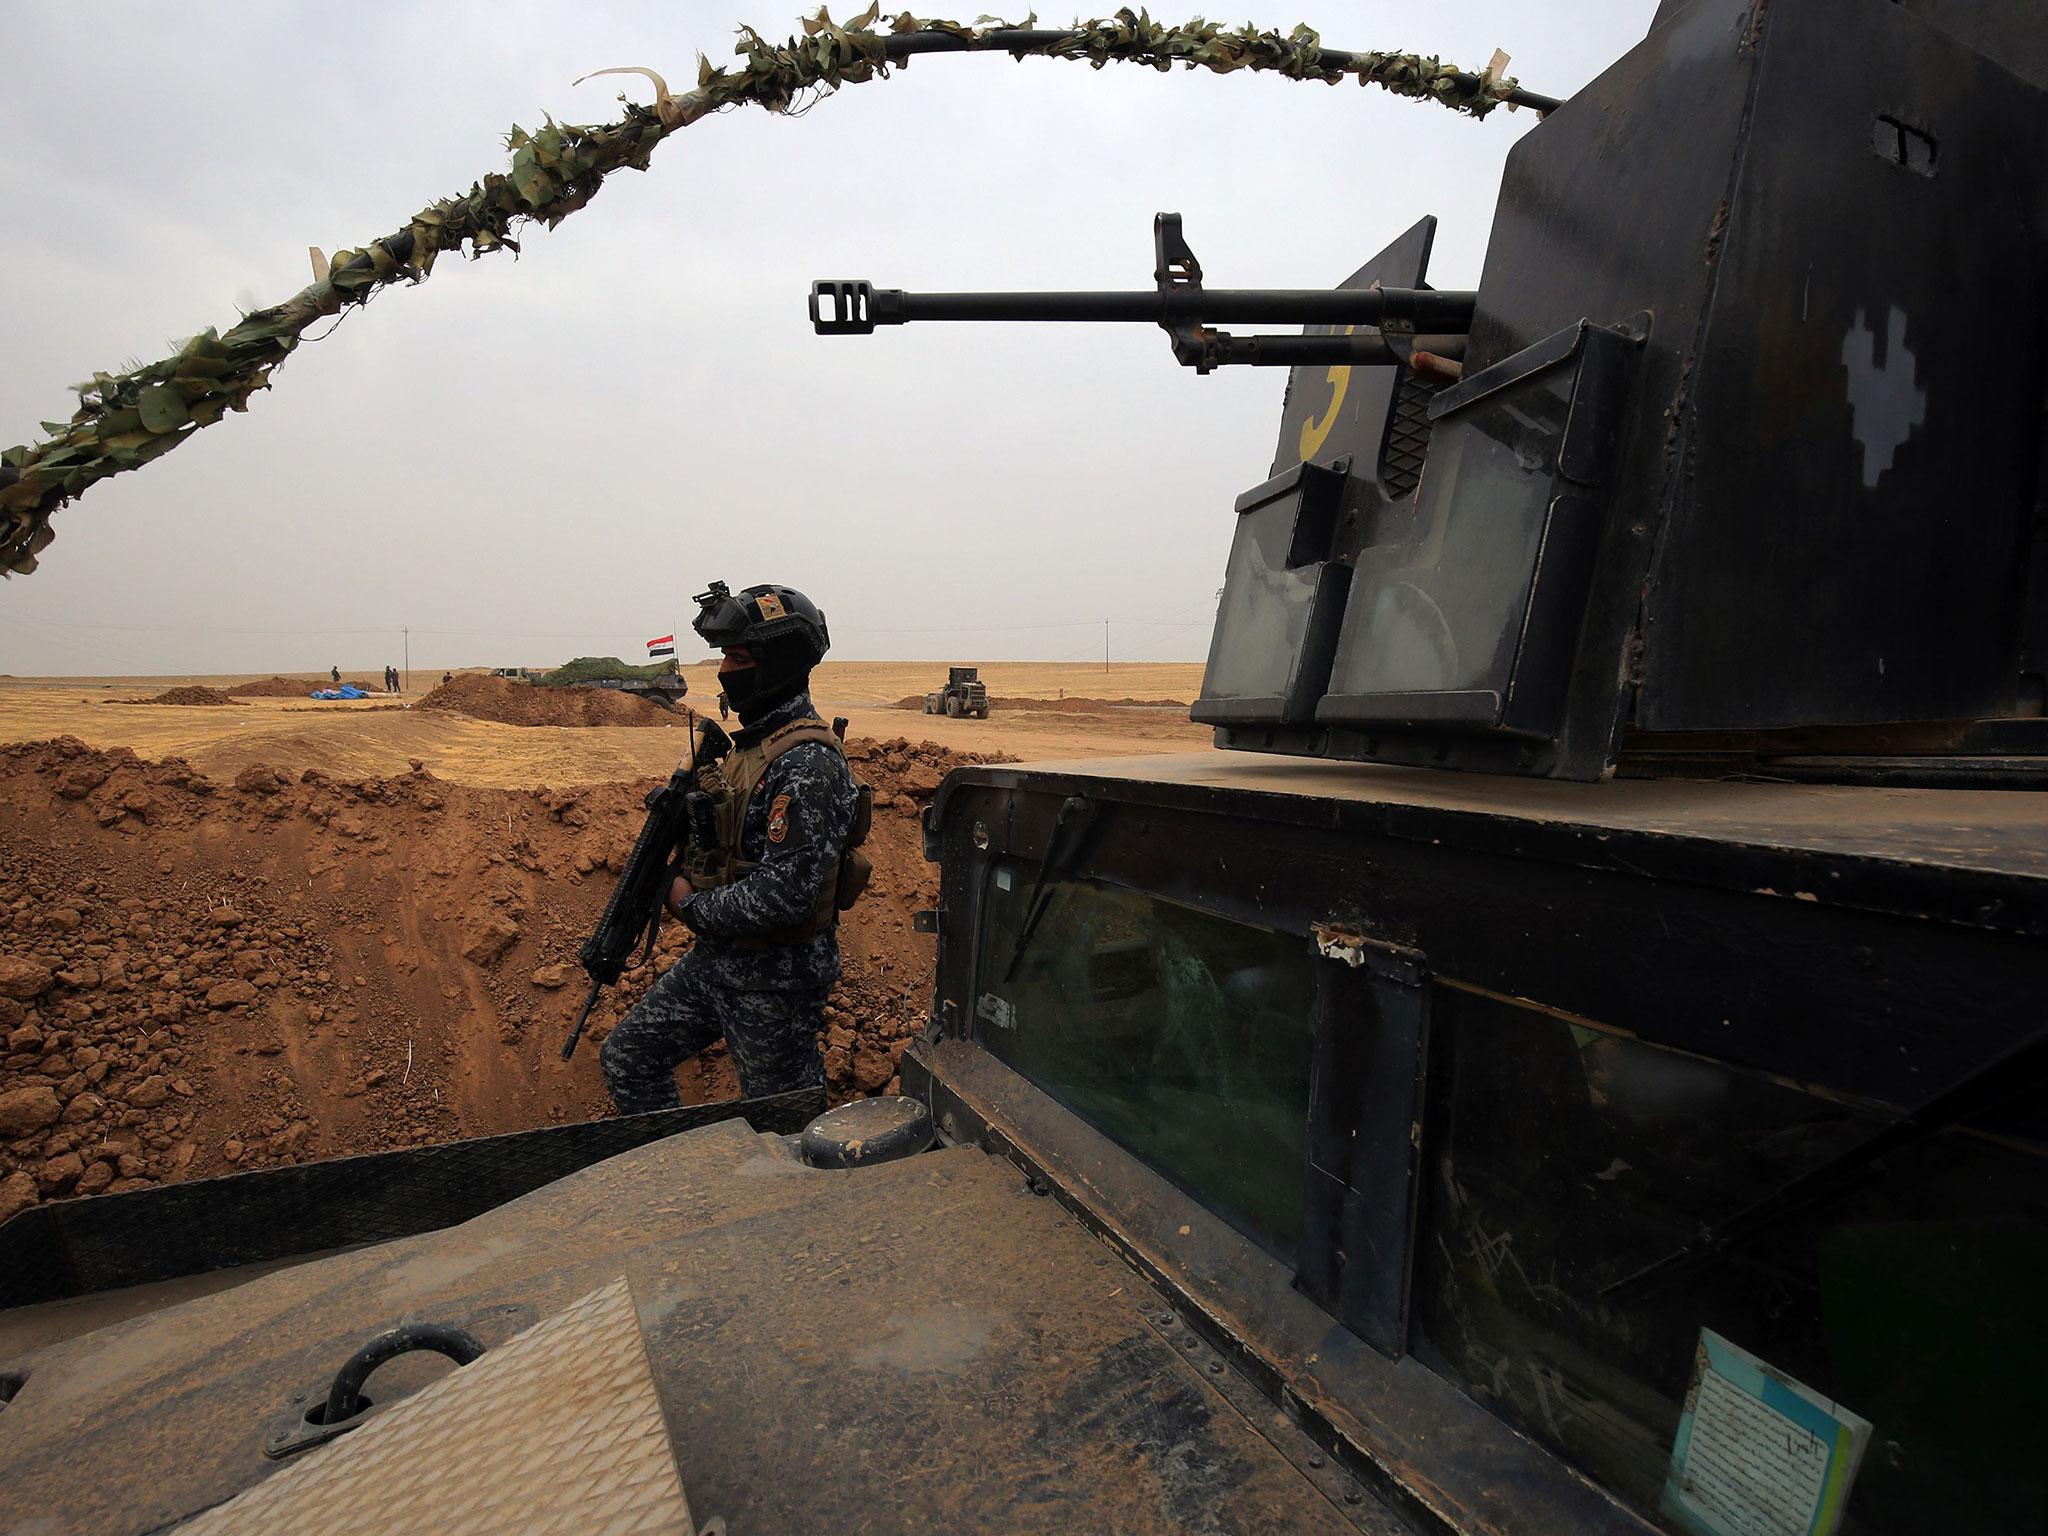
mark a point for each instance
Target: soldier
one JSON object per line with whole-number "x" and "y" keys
{"x": 767, "y": 946}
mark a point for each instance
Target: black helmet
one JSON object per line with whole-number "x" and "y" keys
{"x": 784, "y": 630}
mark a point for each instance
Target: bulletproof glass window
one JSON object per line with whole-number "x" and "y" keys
{"x": 1283, "y": 600}
{"x": 1466, "y": 603}
{"x": 1562, "y": 1160}
{"x": 1181, "y": 1035}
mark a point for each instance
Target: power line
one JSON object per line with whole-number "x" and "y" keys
{"x": 268, "y": 630}
{"x": 99, "y": 653}
{"x": 1141, "y": 626}
{"x": 1168, "y": 635}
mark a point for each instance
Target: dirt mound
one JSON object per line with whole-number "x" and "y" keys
{"x": 1074, "y": 704}
{"x": 188, "y": 695}
{"x": 276, "y": 688}
{"x": 199, "y": 977}
{"x": 903, "y": 770}
{"x": 510, "y": 703}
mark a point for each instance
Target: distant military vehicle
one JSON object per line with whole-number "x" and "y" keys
{"x": 963, "y": 694}
{"x": 661, "y": 683}
{"x": 1576, "y": 1066}
{"x": 667, "y": 691}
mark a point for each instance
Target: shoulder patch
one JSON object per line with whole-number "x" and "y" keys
{"x": 778, "y": 819}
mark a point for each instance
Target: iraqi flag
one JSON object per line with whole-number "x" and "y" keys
{"x": 663, "y": 645}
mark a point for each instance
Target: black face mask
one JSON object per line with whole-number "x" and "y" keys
{"x": 742, "y": 688}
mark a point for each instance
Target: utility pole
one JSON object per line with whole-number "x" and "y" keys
{"x": 408, "y": 658}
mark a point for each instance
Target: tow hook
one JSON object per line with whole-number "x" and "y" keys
{"x": 345, "y": 1407}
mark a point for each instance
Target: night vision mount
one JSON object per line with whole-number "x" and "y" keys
{"x": 1379, "y": 325}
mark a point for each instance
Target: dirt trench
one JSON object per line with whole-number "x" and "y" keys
{"x": 198, "y": 977}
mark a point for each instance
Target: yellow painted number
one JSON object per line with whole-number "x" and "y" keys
{"x": 1316, "y": 428}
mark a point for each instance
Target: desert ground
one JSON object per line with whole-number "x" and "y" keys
{"x": 1062, "y": 710}
{"x": 260, "y": 929}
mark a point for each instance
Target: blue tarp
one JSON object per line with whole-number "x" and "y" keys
{"x": 345, "y": 691}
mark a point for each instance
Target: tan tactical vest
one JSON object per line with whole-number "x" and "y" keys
{"x": 742, "y": 770}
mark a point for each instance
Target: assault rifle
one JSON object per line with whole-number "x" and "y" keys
{"x": 681, "y": 829}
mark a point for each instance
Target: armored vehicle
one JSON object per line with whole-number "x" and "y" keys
{"x": 662, "y": 683}
{"x": 964, "y": 694}
{"x": 666, "y": 691}
{"x": 1575, "y": 1065}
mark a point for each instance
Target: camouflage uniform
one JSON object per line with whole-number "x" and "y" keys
{"x": 767, "y": 1001}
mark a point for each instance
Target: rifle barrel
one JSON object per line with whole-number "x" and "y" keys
{"x": 576, "y": 1033}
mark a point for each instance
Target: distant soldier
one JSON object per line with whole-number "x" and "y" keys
{"x": 767, "y": 947}
{"x": 335, "y": 673}
{"x": 447, "y": 678}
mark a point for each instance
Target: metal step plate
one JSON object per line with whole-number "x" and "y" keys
{"x": 557, "y": 1430}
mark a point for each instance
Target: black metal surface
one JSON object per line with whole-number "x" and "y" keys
{"x": 2011, "y": 33}
{"x": 77, "y": 1247}
{"x": 1365, "y": 1108}
{"x": 1859, "y": 473}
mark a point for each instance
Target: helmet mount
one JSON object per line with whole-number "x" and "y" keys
{"x": 780, "y": 629}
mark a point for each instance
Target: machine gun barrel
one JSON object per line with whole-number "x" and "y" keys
{"x": 1385, "y": 326}
{"x": 853, "y": 307}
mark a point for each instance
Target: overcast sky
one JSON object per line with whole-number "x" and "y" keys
{"x": 536, "y": 458}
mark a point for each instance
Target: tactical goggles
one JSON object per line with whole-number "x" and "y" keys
{"x": 722, "y": 619}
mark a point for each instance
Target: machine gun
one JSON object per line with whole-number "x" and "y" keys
{"x": 1423, "y": 327}
{"x": 679, "y": 836}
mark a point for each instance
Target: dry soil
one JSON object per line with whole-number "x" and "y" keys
{"x": 236, "y": 935}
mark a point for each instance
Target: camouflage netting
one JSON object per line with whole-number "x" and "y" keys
{"x": 124, "y": 420}
{"x": 600, "y": 669}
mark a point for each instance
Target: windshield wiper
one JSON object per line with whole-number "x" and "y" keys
{"x": 1077, "y": 815}
{"x": 2004, "y": 1077}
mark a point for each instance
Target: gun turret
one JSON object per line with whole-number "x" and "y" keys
{"x": 1383, "y": 326}
{"x": 1738, "y": 500}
